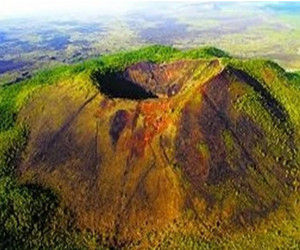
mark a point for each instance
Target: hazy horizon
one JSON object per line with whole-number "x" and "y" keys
{"x": 37, "y": 34}
{"x": 77, "y": 8}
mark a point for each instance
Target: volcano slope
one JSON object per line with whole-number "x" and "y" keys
{"x": 152, "y": 148}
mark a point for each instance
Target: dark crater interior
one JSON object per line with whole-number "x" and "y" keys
{"x": 115, "y": 85}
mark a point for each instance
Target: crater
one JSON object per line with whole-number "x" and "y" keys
{"x": 145, "y": 80}
{"x": 115, "y": 85}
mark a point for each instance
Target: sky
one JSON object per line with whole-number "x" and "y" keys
{"x": 28, "y": 8}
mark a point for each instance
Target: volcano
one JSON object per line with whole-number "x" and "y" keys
{"x": 190, "y": 146}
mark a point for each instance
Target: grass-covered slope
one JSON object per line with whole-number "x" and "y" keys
{"x": 151, "y": 148}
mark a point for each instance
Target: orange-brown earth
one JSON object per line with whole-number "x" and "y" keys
{"x": 161, "y": 147}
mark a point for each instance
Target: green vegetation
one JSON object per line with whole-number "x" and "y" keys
{"x": 205, "y": 52}
{"x": 30, "y": 216}
{"x": 33, "y": 217}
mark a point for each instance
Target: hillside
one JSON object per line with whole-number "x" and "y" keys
{"x": 152, "y": 148}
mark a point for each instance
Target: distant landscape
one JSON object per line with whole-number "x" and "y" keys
{"x": 263, "y": 29}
